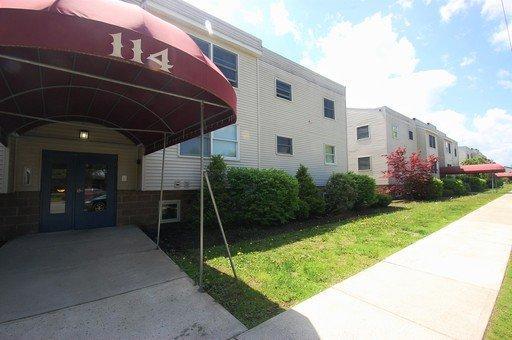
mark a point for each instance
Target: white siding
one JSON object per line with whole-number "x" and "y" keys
{"x": 301, "y": 119}
{"x": 374, "y": 147}
{"x": 3, "y": 169}
{"x": 183, "y": 172}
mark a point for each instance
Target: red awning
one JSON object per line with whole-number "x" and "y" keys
{"x": 107, "y": 62}
{"x": 504, "y": 175}
{"x": 490, "y": 168}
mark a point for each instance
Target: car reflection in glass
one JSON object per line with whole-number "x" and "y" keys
{"x": 95, "y": 200}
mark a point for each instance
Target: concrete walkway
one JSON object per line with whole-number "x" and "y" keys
{"x": 443, "y": 286}
{"x": 108, "y": 283}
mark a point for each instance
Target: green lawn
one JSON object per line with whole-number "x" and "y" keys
{"x": 279, "y": 269}
{"x": 500, "y": 326}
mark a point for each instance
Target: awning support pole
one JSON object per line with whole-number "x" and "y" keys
{"x": 201, "y": 209}
{"x": 220, "y": 223}
{"x": 161, "y": 193}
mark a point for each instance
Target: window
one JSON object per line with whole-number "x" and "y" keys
{"x": 434, "y": 167}
{"x": 449, "y": 147}
{"x": 222, "y": 142}
{"x": 205, "y": 46}
{"x": 455, "y": 152}
{"x": 330, "y": 154}
{"x": 411, "y": 135}
{"x": 284, "y": 145}
{"x": 227, "y": 62}
{"x": 432, "y": 141}
{"x": 283, "y": 90}
{"x": 329, "y": 108}
{"x": 394, "y": 132}
{"x": 171, "y": 211}
{"x": 363, "y": 163}
{"x": 363, "y": 132}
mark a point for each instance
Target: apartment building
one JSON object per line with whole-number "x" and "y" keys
{"x": 287, "y": 115}
{"x": 376, "y": 132}
{"x": 466, "y": 152}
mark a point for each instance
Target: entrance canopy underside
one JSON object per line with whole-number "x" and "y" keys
{"x": 110, "y": 63}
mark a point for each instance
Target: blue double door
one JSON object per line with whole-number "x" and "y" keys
{"x": 78, "y": 191}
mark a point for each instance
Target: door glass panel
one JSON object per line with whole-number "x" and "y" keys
{"x": 58, "y": 189}
{"x": 95, "y": 187}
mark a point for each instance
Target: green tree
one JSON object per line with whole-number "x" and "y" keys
{"x": 476, "y": 160}
{"x": 311, "y": 200}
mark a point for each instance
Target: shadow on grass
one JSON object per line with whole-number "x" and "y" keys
{"x": 181, "y": 238}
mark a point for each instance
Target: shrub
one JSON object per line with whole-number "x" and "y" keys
{"x": 340, "y": 193}
{"x": 411, "y": 176}
{"x": 263, "y": 197}
{"x": 311, "y": 201}
{"x": 365, "y": 190}
{"x": 436, "y": 188}
{"x": 453, "y": 187}
{"x": 476, "y": 184}
{"x": 382, "y": 200}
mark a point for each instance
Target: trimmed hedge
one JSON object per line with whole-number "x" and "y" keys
{"x": 435, "y": 188}
{"x": 476, "y": 184}
{"x": 366, "y": 190}
{"x": 340, "y": 193}
{"x": 262, "y": 196}
{"x": 453, "y": 187}
{"x": 312, "y": 202}
{"x": 382, "y": 200}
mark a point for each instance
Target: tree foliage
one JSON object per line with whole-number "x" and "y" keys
{"x": 410, "y": 176}
{"x": 312, "y": 202}
{"x": 476, "y": 160}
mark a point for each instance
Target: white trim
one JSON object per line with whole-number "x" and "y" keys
{"x": 178, "y": 210}
{"x": 237, "y": 62}
{"x": 369, "y": 132}
{"x": 275, "y": 90}
{"x": 364, "y": 170}
{"x": 275, "y": 146}
{"x": 334, "y": 155}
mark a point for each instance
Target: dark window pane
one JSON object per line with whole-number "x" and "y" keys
{"x": 363, "y": 132}
{"x": 58, "y": 189}
{"x": 203, "y": 45}
{"x": 283, "y": 90}
{"x": 328, "y": 108}
{"x": 432, "y": 141}
{"x": 95, "y": 188}
{"x": 226, "y": 62}
{"x": 192, "y": 147}
{"x": 411, "y": 135}
{"x": 363, "y": 163}
{"x": 284, "y": 145}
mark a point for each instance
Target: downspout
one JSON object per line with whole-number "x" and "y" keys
{"x": 258, "y": 110}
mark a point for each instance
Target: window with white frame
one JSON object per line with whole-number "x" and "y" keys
{"x": 364, "y": 163}
{"x": 171, "y": 211}
{"x": 329, "y": 109}
{"x": 411, "y": 135}
{"x": 284, "y": 145}
{"x": 226, "y": 61}
{"x": 363, "y": 132}
{"x": 432, "y": 141}
{"x": 283, "y": 90}
{"x": 329, "y": 154}
{"x": 222, "y": 142}
{"x": 394, "y": 132}
{"x": 449, "y": 146}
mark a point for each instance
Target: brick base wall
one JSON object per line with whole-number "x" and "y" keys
{"x": 141, "y": 207}
{"x": 19, "y": 214}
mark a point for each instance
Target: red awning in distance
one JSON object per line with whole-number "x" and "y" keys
{"x": 106, "y": 62}
{"x": 490, "y": 168}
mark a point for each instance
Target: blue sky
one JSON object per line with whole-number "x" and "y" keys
{"x": 447, "y": 62}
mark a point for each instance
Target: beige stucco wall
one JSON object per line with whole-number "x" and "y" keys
{"x": 59, "y": 137}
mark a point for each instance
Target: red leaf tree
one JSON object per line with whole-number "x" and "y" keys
{"x": 411, "y": 176}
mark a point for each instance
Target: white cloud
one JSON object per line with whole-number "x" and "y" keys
{"x": 405, "y": 4}
{"x": 489, "y": 132}
{"x": 502, "y": 73}
{"x": 281, "y": 21}
{"x": 492, "y": 9}
{"x": 500, "y": 38}
{"x": 506, "y": 84}
{"x": 453, "y": 7}
{"x": 378, "y": 66}
{"x": 466, "y": 61}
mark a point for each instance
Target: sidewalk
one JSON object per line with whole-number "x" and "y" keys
{"x": 443, "y": 286}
